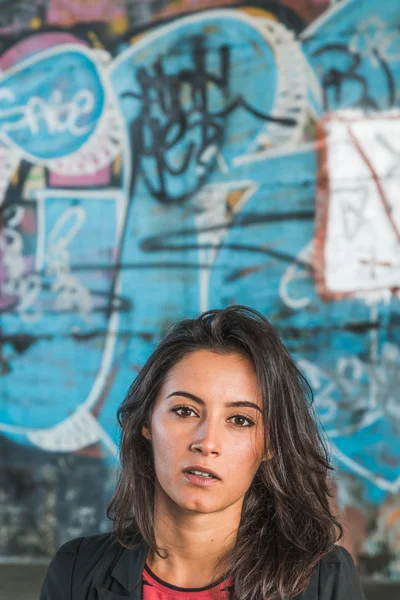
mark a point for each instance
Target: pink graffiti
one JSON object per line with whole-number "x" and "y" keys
{"x": 68, "y": 12}
{"x": 101, "y": 177}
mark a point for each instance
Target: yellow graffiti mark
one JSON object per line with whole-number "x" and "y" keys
{"x": 234, "y": 197}
{"x": 15, "y": 176}
{"x": 259, "y": 13}
{"x": 35, "y": 23}
{"x": 137, "y": 37}
{"x": 95, "y": 40}
{"x": 119, "y": 25}
{"x": 117, "y": 165}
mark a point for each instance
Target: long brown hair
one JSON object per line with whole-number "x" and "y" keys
{"x": 286, "y": 524}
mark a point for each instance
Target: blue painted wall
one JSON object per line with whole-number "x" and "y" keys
{"x": 160, "y": 161}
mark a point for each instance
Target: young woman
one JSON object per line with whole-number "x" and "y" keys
{"x": 223, "y": 490}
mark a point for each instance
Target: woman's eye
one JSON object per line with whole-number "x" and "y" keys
{"x": 184, "y": 408}
{"x": 187, "y": 409}
{"x": 249, "y": 421}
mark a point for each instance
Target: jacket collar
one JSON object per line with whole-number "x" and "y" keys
{"x": 128, "y": 571}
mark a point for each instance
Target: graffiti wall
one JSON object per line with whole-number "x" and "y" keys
{"x": 161, "y": 158}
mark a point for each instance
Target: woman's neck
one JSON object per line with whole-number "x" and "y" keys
{"x": 194, "y": 548}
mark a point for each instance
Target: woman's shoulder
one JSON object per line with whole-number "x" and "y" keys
{"x": 77, "y": 560}
{"x": 338, "y": 576}
{"x": 86, "y": 554}
{"x": 338, "y": 554}
{"x": 88, "y": 543}
{"x": 340, "y": 559}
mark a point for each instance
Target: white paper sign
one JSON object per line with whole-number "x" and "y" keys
{"x": 358, "y": 206}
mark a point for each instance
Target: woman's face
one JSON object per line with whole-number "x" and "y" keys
{"x": 193, "y": 424}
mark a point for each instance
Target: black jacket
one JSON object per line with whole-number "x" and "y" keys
{"x": 99, "y": 568}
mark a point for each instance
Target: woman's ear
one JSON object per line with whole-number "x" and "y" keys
{"x": 146, "y": 431}
{"x": 270, "y": 453}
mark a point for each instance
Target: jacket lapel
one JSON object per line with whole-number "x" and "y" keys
{"x": 128, "y": 572}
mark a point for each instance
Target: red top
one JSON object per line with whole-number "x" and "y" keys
{"x": 155, "y": 588}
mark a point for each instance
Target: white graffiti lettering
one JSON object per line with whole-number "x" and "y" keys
{"x": 20, "y": 287}
{"x": 71, "y": 293}
{"x": 58, "y": 116}
{"x": 24, "y": 289}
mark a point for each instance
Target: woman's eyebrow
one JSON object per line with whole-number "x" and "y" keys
{"x": 190, "y": 396}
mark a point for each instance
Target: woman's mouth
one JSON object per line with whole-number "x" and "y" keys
{"x": 200, "y": 480}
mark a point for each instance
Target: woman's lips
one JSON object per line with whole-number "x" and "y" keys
{"x": 199, "y": 480}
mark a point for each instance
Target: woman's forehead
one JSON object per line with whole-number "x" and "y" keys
{"x": 210, "y": 374}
